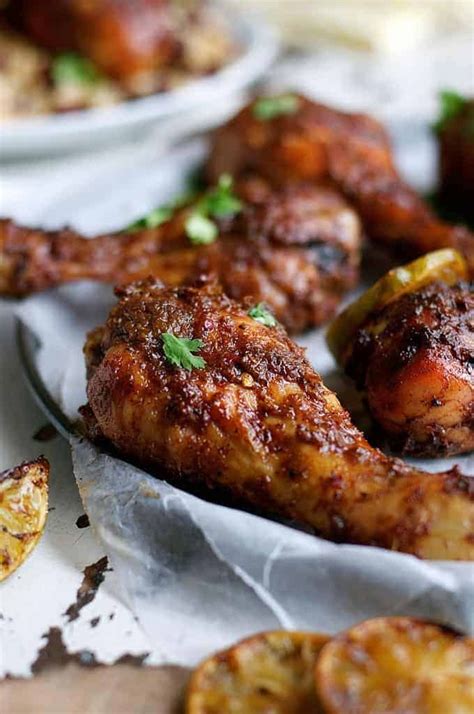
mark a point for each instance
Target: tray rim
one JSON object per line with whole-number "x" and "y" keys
{"x": 27, "y": 345}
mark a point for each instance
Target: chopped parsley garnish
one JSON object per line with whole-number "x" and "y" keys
{"x": 220, "y": 202}
{"x": 160, "y": 215}
{"x": 154, "y": 219}
{"x": 200, "y": 229}
{"x": 267, "y": 108}
{"x": 179, "y": 351}
{"x": 261, "y": 314}
{"x": 71, "y": 68}
{"x": 452, "y": 104}
{"x": 217, "y": 202}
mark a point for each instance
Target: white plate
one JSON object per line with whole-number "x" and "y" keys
{"x": 76, "y": 130}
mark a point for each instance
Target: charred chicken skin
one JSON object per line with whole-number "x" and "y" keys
{"x": 123, "y": 38}
{"x": 292, "y": 139}
{"x": 414, "y": 359}
{"x": 249, "y": 417}
{"x": 296, "y": 249}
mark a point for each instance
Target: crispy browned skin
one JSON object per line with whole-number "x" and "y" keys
{"x": 258, "y": 424}
{"x": 456, "y": 154}
{"x": 296, "y": 249}
{"x": 414, "y": 359}
{"x": 122, "y": 37}
{"x": 317, "y": 143}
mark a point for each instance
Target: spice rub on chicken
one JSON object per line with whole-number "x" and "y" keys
{"x": 418, "y": 369}
{"x": 187, "y": 383}
{"x": 408, "y": 342}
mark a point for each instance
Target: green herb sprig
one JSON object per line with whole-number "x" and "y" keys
{"x": 452, "y": 104}
{"x": 267, "y": 108}
{"x": 160, "y": 215}
{"x": 200, "y": 229}
{"x": 153, "y": 219}
{"x": 260, "y": 313}
{"x": 218, "y": 202}
{"x": 72, "y": 68}
{"x": 179, "y": 351}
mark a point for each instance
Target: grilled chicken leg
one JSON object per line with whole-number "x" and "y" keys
{"x": 296, "y": 249}
{"x": 305, "y": 141}
{"x": 414, "y": 358}
{"x": 248, "y": 416}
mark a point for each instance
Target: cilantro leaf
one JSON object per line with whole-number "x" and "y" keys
{"x": 153, "y": 219}
{"x": 452, "y": 104}
{"x": 217, "y": 202}
{"x": 160, "y": 215}
{"x": 267, "y": 108}
{"x": 220, "y": 201}
{"x": 179, "y": 351}
{"x": 71, "y": 68}
{"x": 200, "y": 229}
{"x": 261, "y": 314}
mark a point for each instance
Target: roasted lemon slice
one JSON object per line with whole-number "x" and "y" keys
{"x": 397, "y": 665}
{"x": 23, "y": 511}
{"x": 271, "y": 672}
{"x": 446, "y": 265}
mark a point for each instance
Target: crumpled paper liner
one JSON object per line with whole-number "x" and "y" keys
{"x": 199, "y": 575}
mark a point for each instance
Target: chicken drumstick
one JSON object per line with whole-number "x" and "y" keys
{"x": 187, "y": 383}
{"x": 296, "y": 249}
{"x": 292, "y": 139}
{"x": 414, "y": 359}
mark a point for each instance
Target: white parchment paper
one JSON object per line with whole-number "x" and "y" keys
{"x": 198, "y": 575}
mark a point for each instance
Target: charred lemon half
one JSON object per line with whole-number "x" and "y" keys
{"x": 397, "y": 665}
{"x": 269, "y": 672}
{"x": 445, "y": 265}
{"x": 23, "y": 511}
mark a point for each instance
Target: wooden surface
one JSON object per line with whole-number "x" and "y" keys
{"x": 119, "y": 689}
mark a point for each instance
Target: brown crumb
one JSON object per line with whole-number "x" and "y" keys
{"x": 83, "y": 521}
{"x": 47, "y": 432}
{"x": 93, "y": 577}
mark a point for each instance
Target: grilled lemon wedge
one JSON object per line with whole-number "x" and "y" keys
{"x": 23, "y": 511}
{"x": 397, "y": 665}
{"x": 270, "y": 672}
{"x": 446, "y": 265}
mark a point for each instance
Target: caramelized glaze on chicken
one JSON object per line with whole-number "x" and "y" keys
{"x": 296, "y": 249}
{"x": 256, "y": 422}
{"x": 414, "y": 358}
{"x": 317, "y": 143}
